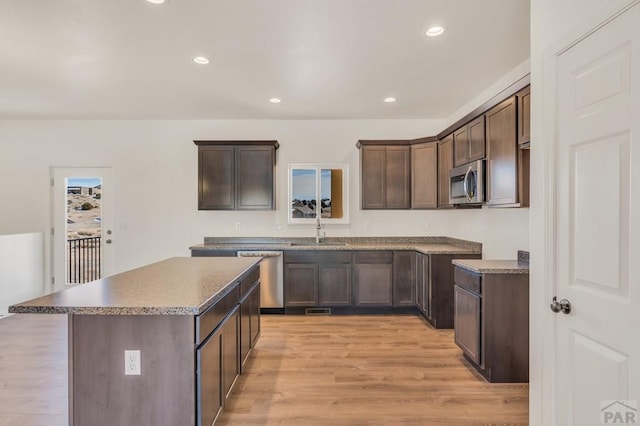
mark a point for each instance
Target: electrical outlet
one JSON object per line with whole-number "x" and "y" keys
{"x": 132, "y": 362}
{"x": 237, "y": 225}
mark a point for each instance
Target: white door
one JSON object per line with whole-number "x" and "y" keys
{"x": 82, "y": 200}
{"x": 597, "y": 344}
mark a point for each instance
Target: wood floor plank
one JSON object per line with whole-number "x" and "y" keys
{"x": 366, "y": 370}
{"x": 334, "y": 370}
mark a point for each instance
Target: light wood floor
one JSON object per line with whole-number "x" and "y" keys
{"x": 337, "y": 370}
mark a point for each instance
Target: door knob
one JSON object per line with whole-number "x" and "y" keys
{"x": 563, "y": 305}
{"x": 108, "y": 241}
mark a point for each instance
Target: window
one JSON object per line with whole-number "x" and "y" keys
{"x": 318, "y": 190}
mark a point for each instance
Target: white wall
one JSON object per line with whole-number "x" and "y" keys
{"x": 21, "y": 268}
{"x": 155, "y": 183}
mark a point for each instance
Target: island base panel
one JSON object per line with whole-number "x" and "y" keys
{"x": 99, "y": 391}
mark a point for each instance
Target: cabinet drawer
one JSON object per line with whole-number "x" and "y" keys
{"x": 317, "y": 256}
{"x": 468, "y": 280}
{"x": 248, "y": 281}
{"x": 211, "y": 318}
{"x": 373, "y": 257}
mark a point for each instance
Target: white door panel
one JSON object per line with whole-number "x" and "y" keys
{"x": 598, "y": 196}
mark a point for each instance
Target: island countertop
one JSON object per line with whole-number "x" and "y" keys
{"x": 176, "y": 286}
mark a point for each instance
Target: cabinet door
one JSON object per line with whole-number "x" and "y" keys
{"x": 419, "y": 291}
{"x": 373, "y": 284}
{"x": 424, "y": 282}
{"x": 524, "y": 116}
{"x": 502, "y": 150}
{"x": 216, "y": 171}
{"x": 461, "y": 146}
{"x": 476, "y": 139}
{"x": 424, "y": 176}
{"x": 404, "y": 278}
{"x": 255, "y": 315}
{"x": 245, "y": 329}
{"x": 373, "y": 171}
{"x": 398, "y": 184}
{"x": 467, "y": 323}
{"x": 254, "y": 177}
{"x": 445, "y": 164}
{"x": 301, "y": 284}
{"x": 334, "y": 284}
{"x": 230, "y": 353}
{"x": 209, "y": 383}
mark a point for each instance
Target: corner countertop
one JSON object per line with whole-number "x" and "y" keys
{"x": 493, "y": 266}
{"x": 426, "y": 245}
{"x": 176, "y": 286}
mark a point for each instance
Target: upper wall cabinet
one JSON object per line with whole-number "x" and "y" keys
{"x": 445, "y": 163}
{"x": 502, "y": 154}
{"x": 524, "y": 117}
{"x": 236, "y": 175}
{"x": 424, "y": 175}
{"x": 469, "y": 142}
{"x": 385, "y": 175}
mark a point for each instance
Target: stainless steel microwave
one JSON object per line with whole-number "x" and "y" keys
{"x": 466, "y": 183}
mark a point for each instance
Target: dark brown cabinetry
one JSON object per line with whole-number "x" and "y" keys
{"x": 385, "y": 176}
{"x": 467, "y": 323}
{"x": 423, "y": 274}
{"x": 317, "y": 278}
{"x": 373, "y": 278}
{"x": 469, "y": 142}
{"x": 439, "y": 292}
{"x": 492, "y": 323}
{"x": 404, "y": 278}
{"x": 524, "y": 117}
{"x": 424, "y": 176}
{"x": 300, "y": 284}
{"x": 209, "y": 390}
{"x": 502, "y": 154}
{"x": 225, "y": 335}
{"x": 236, "y": 175}
{"x": 230, "y": 352}
{"x": 249, "y": 322}
{"x": 445, "y": 163}
{"x": 334, "y": 284}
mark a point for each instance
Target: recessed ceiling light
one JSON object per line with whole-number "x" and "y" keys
{"x": 157, "y": 1}
{"x": 275, "y": 100}
{"x": 434, "y": 31}
{"x": 201, "y": 60}
{"x": 389, "y": 100}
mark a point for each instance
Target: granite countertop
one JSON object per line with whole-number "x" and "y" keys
{"x": 426, "y": 245}
{"x": 176, "y": 286}
{"x": 493, "y": 266}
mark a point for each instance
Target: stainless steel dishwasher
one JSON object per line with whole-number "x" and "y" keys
{"x": 271, "y": 279}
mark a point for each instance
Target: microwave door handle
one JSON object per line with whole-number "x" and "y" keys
{"x": 464, "y": 184}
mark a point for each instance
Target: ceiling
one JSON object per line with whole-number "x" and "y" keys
{"x": 129, "y": 59}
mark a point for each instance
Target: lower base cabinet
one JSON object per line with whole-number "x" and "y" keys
{"x": 373, "y": 278}
{"x": 492, "y": 323}
{"x": 227, "y": 333}
{"x": 209, "y": 371}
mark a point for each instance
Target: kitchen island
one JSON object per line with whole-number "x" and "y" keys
{"x": 186, "y": 324}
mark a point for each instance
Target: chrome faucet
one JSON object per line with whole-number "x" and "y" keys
{"x": 318, "y": 228}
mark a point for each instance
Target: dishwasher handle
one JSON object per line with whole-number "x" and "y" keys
{"x": 259, "y": 253}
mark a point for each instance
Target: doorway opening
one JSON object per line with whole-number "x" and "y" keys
{"x": 84, "y": 229}
{"x": 81, "y": 225}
